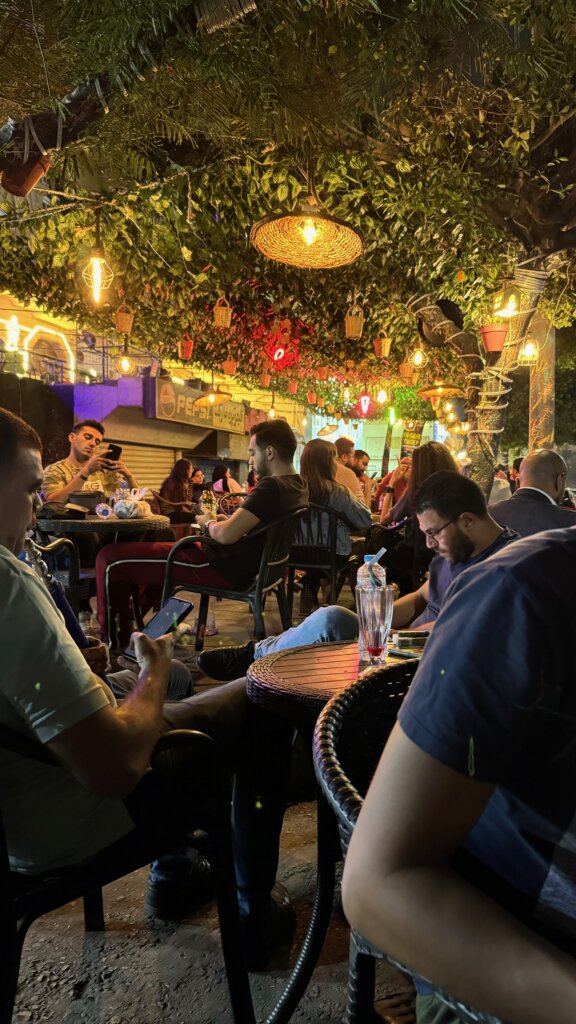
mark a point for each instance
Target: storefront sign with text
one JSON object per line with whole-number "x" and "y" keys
{"x": 165, "y": 400}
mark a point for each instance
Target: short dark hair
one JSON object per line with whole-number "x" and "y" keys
{"x": 343, "y": 445}
{"x": 14, "y": 435}
{"x": 88, "y": 423}
{"x": 361, "y": 454}
{"x": 450, "y": 494}
{"x": 279, "y": 435}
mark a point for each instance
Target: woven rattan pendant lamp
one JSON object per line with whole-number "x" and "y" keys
{"x": 212, "y": 397}
{"x": 307, "y": 237}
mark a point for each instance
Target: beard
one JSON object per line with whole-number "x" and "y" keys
{"x": 461, "y": 547}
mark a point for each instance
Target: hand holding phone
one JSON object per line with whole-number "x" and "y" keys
{"x": 113, "y": 454}
{"x": 164, "y": 622}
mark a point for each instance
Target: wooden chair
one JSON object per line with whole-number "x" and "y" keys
{"x": 350, "y": 736}
{"x": 24, "y": 898}
{"x": 269, "y": 579}
{"x": 314, "y": 549}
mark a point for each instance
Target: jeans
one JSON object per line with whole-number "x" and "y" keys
{"x": 322, "y": 627}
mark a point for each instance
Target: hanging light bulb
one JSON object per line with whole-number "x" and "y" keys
{"x": 212, "y": 397}
{"x": 272, "y": 410}
{"x": 465, "y": 426}
{"x": 12, "y": 334}
{"x": 309, "y": 231}
{"x": 124, "y": 364}
{"x": 528, "y": 354}
{"x": 346, "y": 395}
{"x": 418, "y": 358}
{"x": 304, "y": 421}
{"x": 97, "y": 274}
{"x": 391, "y": 415}
{"x": 382, "y": 396}
{"x": 448, "y": 407}
{"x": 506, "y": 301}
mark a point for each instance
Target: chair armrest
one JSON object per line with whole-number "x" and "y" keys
{"x": 192, "y": 760}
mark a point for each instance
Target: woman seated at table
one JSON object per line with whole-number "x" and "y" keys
{"x": 318, "y": 467}
{"x": 223, "y": 482}
{"x": 197, "y": 485}
{"x": 176, "y": 493}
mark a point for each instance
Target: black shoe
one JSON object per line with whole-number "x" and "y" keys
{"x": 178, "y": 885}
{"x": 264, "y": 934}
{"x": 225, "y": 663}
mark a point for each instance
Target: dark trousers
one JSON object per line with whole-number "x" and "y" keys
{"x": 256, "y": 747}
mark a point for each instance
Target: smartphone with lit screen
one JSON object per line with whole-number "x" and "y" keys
{"x": 165, "y": 621}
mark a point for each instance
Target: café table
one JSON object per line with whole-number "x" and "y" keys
{"x": 296, "y": 684}
{"x": 113, "y": 526}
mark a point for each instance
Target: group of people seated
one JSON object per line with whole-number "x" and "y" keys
{"x": 468, "y": 831}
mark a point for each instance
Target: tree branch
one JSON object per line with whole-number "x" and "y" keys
{"x": 552, "y": 129}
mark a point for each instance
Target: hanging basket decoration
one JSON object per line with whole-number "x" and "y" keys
{"x": 123, "y": 319}
{"x": 229, "y": 366}
{"x": 293, "y": 387}
{"x": 338, "y": 416}
{"x": 308, "y": 237}
{"x": 382, "y": 345}
{"x": 320, "y": 402}
{"x": 322, "y": 372}
{"x": 222, "y": 313}
{"x": 407, "y": 373}
{"x": 185, "y": 347}
{"x": 265, "y": 379}
{"x": 330, "y": 409}
{"x": 494, "y": 336}
{"x": 311, "y": 397}
{"x": 354, "y": 322}
{"x": 20, "y": 180}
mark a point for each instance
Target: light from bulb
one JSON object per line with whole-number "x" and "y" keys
{"x": 418, "y": 357}
{"x": 125, "y": 364}
{"x": 365, "y": 404}
{"x": 448, "y": 407}
{"x": 12, "y": 334}
{"x": 382, "y": 396}
{"x": 309, "y": 231}
{"x": 304, "y": 421}
{"x": 529, "y": 352}
{"x": 271, "y": 412}
{"x": 96, "y": 278}
{"x": 346, "y": 395}
{"x": 211, "y": 397}
{"x": 465, "y": 427}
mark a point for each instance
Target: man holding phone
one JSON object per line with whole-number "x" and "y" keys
{"x": 89, "y": 466}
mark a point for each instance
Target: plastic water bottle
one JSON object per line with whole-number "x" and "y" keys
{"x": 370, "y": 577}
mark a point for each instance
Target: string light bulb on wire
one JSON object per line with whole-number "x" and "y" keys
{"x": 98, "y": 274}
{"x": 272, "y": 410}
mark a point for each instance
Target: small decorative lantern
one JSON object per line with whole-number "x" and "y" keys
{"x": 354, "y": 322}
{"x": 123, "y": 319}
{"x": 229, "y": 366}
{"x": 322, "y": 372}
{"x": 311, "y": 397}
{"x": 382, "y": 345}
{"x": 507, "y": 300}
{"x": 222, "y": 313}
{"x": 330, "y": 409}
{"x": 418, "y": 358}
{"x": 320, "y": 402}
{"x": 293, "y": 387}
{"x": 265, "y": 379}
{"x": 528, "y": 354}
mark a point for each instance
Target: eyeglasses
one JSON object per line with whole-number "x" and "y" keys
{"x": 432, "y": 534}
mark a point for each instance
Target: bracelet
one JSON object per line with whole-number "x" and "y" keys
{"x": 388, "y": 490}
{"x": 82, "y": 477}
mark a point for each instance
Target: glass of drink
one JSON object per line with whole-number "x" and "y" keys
{"x": 375, "y": 606}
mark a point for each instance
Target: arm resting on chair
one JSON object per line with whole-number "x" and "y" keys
{"x": 234, "y": 528}
{"x": 402, "y": 894}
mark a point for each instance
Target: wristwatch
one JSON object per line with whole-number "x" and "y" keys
{"x": 388, "y": 490}
{"x": 82, "y": 477}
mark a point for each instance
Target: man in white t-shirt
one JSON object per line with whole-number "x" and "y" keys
{"x": 99, "y": 789}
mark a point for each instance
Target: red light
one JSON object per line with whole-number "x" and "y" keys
{"x": 365, "y": 402}
{"x": 279, "y": 354}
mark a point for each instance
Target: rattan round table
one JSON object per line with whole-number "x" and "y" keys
{"x": 93, "y": 524}
{"x": 296, "y": 684}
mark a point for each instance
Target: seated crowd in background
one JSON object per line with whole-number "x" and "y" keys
{"x": 175, "y": 491}
{"x": 223, "y": 481}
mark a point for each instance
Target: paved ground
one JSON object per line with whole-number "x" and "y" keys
{"x": 146, "y": 972}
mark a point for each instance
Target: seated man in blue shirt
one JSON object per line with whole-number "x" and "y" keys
{"x": 468, "y": 832}
{"x": 452, "y": 514}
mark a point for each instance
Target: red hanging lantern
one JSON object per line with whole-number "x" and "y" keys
{"x": 320, "y": 402}
{"x": 229, "y": 366}
{"x": 311, "y": 397}
{"x": 293, "y": 387}
{"x": 323, "y": 372}
{"x": 364, "y": 404}
{"x": 185, "y": 347}
{"x": 281, "y": 349}
{"x": 265, "y": 379}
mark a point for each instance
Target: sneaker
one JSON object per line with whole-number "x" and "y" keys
{"x": 226, "y": 663}
{"x": 178, "y": 885}
{"x": 264, "y": 934}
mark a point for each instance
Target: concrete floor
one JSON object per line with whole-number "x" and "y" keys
{"x": 149, "y": 972}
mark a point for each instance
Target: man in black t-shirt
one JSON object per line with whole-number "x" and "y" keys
{"x": 234, "y": 560}
{"x": 279, "y": 491}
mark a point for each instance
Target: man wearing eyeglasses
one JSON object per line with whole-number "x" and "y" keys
{"x": 452, "y": 515}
